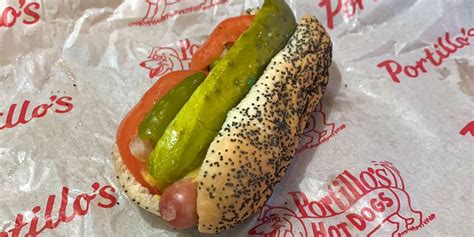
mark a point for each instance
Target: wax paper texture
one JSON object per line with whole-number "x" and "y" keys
{"x": 388, "y": 152}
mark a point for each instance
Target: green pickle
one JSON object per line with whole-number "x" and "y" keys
{"x": 184, "y": 144}
{"x": 214, "y": 63}
{"x": 164, "y": 111}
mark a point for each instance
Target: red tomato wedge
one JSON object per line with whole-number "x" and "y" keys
{"x": 226, "y": 32}
{"x": 129, "y": 126}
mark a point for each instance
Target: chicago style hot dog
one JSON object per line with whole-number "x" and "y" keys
{"x": 207, "y": 148}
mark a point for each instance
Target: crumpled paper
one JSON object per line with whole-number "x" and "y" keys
{"x": 388, "y": 152}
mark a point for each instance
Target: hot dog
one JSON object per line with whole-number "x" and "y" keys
{"x": 236, "y": 152}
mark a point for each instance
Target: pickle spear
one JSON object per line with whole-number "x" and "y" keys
{"x": 164, "y": 111}
{"x": 184, "y": 144}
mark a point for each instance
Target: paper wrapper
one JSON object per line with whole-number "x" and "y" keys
{"x": 388, "y": 152}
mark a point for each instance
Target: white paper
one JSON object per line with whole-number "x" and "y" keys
{"x": 382, "y": 154}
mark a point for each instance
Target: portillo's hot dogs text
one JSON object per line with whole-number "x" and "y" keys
{"x": 25, "y": 12}
{"x": 444, "y": 48}
{"x": 375, "y": 185}
{"x": 356, "y": 204}
{"x": 18, "y": 114}
{"x": 43, "y": 218}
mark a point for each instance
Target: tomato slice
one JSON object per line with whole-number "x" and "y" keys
{"x": 129, "y": 126}
{"x": 226, "y": 32}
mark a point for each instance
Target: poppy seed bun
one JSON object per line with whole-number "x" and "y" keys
{"x": 134, "y": 190}
{"x": 259, "y": 139}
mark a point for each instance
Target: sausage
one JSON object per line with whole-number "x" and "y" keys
{"x": 178, "y": 204}
{"x": 178, "y": 201}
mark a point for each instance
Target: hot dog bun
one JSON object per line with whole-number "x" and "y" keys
{"x": 132, "y": 188}
{"x": 259, "y": 138}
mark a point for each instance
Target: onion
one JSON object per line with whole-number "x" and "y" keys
{"x": 141, "y": 149}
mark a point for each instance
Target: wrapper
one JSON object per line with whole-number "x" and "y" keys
{"x": 388, "y": 152}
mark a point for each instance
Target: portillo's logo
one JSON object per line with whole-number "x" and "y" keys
{"x": 26, "y": 112}
{"x": 161, "y": 10}
{"x": 49, "y": 216}
{"x": 347, "y": 7}
{"x": 24, "y": 12}
{"x": 468, "y": 129}
{"x": 443, "y": 49}
{"x": 318, "y": 130}
{"x": 163, "y": 60}
{"x": 373, "y": 202}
